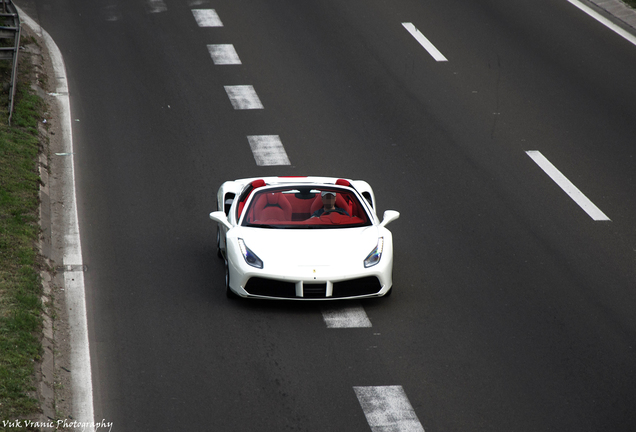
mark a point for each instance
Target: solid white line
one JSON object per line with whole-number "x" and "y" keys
{"x": 567, "y": 186}
{"x": 268, "y": 150}
{"x": 388, "y": 409}
{"x": 428, "y": 46}
{"x": 346, "y": 317}
{"x": 207, "y": 18}
{"x": 606, "y": 22}
{"x": 224, "y": 54}
{"x": 81, "y": 379}
{"x": 243, "y": 97}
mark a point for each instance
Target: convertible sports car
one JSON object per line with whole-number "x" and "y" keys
{"x": 301, "y": 238}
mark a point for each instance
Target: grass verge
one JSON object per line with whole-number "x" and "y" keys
{"x": 20, "y": 284}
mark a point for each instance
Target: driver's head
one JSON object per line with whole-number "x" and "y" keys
{"x": 328, "y": 196}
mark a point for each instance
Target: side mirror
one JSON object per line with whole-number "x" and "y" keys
{"x": 389, "y": 216}
{"x": 221, "y": 217}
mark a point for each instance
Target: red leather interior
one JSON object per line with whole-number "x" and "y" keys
{"x": 296, "y": 209}
{"x": 272, "y": 206}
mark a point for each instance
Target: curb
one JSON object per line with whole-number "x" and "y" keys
{"x": 71, "y": 359}
{"x": 47, "y": 369}
{"x": 621, "y": 12}
{"x": 52, "y": 384}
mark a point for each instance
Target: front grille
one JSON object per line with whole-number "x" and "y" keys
{"x": 270, "y": 288}
{"x": 318, "y": 290}
{"x": 357, "y": 287}
{"x": 350, "y": 288}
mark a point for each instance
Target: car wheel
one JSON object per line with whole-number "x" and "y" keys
{"x": 218, "y": 242}
{"x": 228, "y": 292}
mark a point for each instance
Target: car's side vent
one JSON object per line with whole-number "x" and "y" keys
{"x": 229, "y": 199}
{"x": 367, "y": 196}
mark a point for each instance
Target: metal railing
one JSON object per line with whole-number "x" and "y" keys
{"x": 10, "y": 29}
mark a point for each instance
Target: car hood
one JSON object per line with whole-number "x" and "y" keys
{"x": 311, "y": 247}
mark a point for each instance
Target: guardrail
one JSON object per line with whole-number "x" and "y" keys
{"x": 10, "y": 29}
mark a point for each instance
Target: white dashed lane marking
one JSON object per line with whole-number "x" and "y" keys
{"x": 567, "y": 186}
{"x": 388, "y": 409}
{"x": 243, "y": 97}
{"x": 268, "y": 150}
{"x": 156, "y": 6}
{"x": 428, "y": 46}
{"x": 346, "y": 317}
{"x": 224, "y": 54}
{"x": 111, "y": 13}
{"x": 207, "y": 18}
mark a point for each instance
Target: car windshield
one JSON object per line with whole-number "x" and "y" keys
{"x": 305, "y": 207}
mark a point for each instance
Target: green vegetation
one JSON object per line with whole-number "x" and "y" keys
{"x": 20, "y": 285}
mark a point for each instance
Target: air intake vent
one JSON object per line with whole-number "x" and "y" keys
{"x": 315, "y": 290}
{"x": 270, "y": 288}
{"x": 357, "y": 287}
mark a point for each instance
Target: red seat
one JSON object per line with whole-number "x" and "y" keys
{"x": 272, "y": 206}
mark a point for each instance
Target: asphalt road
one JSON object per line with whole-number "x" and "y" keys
{"x": 513, "y": 310}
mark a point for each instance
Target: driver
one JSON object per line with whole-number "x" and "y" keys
{"x": 329, "y": 205}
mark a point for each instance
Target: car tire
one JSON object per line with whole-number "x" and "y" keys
{"x": 219, "y": 253}
{"x": 228, "y": 292}
{"x": 389, "y": 292}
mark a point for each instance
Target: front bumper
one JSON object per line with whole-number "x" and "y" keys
{"x": 310, "y": 283}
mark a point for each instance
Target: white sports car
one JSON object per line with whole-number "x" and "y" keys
{"x": 303, "y": 238}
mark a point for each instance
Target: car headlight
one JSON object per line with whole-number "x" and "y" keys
{"x": 374, "y": 257}
{"x": 250, "y": 257}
